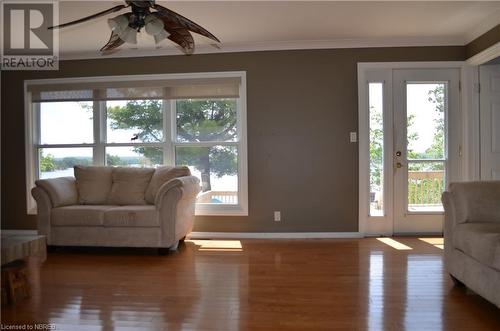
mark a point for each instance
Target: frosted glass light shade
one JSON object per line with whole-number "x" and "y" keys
{"x": 129, "y": 35}
{"x": 160, "y": 36}
{"x": 119, "y": 25}
{"x": 153, "y": 25}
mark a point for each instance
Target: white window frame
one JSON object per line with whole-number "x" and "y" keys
{"x": 32, "y": 136}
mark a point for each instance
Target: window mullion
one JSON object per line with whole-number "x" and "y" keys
{"x": 99, "y": 151}
{"x": 37, "y": 140}
{"x": 168, "y": 135}
{"x": 173, "y": 129}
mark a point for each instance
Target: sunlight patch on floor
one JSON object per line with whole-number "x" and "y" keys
{"x": 436, "y": 242}
{"x": 218, "y": 245}
{"x": 394, "y": 244}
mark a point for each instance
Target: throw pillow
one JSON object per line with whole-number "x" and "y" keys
{"x": 129, "y": 186}
{"x": 93, "y": 184}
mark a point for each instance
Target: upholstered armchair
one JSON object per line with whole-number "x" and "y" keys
{"x": 472, "y": 236}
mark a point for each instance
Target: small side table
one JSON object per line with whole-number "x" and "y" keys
{"x": 17, "y": 248}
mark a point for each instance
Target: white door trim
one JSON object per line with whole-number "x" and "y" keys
{"x": 468, "y": 131}
{"x": 490, "y": 128}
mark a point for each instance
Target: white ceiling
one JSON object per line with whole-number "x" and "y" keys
{"x": 263, "y": 25}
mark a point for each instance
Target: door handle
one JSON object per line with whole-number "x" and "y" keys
{"x": 398, "y": 153}
{"x": 399, "y": 165}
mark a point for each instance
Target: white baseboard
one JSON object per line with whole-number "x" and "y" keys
{"x": 273, "y": 235}
{"x": 241, "y": 235}
{"x": 20, "y": 232}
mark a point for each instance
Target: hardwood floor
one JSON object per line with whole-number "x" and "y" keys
{"x": 340, "y": 284}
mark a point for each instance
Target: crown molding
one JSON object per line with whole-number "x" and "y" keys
{"x": 488, "y": 54}
{"x": 271, "y": 46}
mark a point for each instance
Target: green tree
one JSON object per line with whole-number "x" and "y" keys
{"x": 47, "y": 163}
{"x": 114, "y": 160}
{"x": 376, "y": 149}
{"x": 197, "y": 121}
{"x": 412, "y": 137}
{"x": 436, "y": 96}
{"x": 377, "y": 146}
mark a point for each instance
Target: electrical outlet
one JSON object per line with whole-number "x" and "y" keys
{"x": 277, "y": 216}
{"x": 353, "y": 137}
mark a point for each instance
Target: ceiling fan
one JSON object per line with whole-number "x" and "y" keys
{"x": 160, "y": 23}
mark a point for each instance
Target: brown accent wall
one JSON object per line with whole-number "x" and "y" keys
{"x": 301, "y": 107}
{"x": 482, "y": 42}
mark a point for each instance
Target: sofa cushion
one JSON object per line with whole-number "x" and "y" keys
{"x": 79, "y": 215}
{"x": 160, "y": 177}
{"x": 132, "y": 216}
{"x": 481, "y": 241}
{"x": 62, "y": 190}
{"x": 129, "y": 186}
{"x": 93, "y": 184}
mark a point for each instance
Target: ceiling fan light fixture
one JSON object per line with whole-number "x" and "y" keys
{"x": 158, "y": 21}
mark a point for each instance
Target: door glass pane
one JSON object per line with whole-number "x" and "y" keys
{"x": 132, "y": 156}
{"x": 206, "y": 120}
{"x": 66, "y": 122}
{"x": 217, "y": 168}
{"x": 426, "y": 183}
{"x": 375, "y": 91}
{"x": 426, "y": 107}
{"x": 134, "y": 121}
{"x": 59, "y": 162}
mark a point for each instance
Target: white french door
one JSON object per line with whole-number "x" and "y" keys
{"x": 410, "y": 126}
{"x": 489, "y": 101}
{"x": 424, "y": 103}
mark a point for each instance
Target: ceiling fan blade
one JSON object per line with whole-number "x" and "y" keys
{"x": 173, "y": 20}
{"x": 108, "y": 11}
{"x": 114, "y": 42}
{"x": 184, "y": 39}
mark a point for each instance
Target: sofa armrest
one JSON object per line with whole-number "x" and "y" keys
{"x": 175, "y": 201}
{"x": 44, "y": 208}
{"x": 62, "y": 191}
{"x": 476, "y": 201}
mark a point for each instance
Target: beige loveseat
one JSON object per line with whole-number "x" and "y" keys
{"x": 117, "y": 207}
{"x": 472, "y": 236}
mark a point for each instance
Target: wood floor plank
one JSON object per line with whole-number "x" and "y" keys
{"x": 344, "y": 284}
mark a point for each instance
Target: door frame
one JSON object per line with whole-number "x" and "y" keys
{"x": 466, "y": 133}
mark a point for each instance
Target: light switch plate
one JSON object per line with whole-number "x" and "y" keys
{"x": 277, "y": 216}
{"x": 353, "y": 137}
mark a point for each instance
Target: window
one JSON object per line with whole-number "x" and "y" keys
{"x": 197, "y": 120}
{"x": 376, "y": 136}
{"x": 206, "y": 138}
